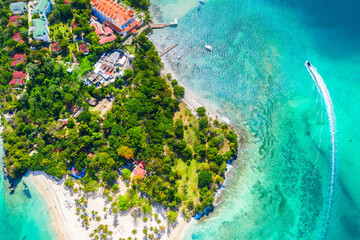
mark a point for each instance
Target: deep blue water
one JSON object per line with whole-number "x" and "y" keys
{"x": 255, "y": 76}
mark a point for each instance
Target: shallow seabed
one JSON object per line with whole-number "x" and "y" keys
{"x": 256, "y": 77}
{"x": 23, "y": 215}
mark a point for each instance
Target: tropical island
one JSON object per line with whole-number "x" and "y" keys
{"x": 84, "y": 100}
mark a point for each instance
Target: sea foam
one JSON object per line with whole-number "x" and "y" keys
{"x": 332, "y": 121}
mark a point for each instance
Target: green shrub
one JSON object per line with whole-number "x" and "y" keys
{"x": 204, "y": 179}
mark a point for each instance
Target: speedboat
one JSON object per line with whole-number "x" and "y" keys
{"x": 308, "y": 63}
{"x": 202, "y": 1}
{"x": 208, "y": 47}
{"x": 198, "y": 7}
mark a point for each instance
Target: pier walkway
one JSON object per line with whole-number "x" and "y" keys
{"x": 160, "y": 25}
{"x": 168, "y": 49}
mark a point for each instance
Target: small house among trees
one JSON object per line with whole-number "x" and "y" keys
{"x": 18, "y": 58}
{"x": 18, "y": 78}
{"x": 55, "y": 47}
{"x": 83, "y": 48}
{"x": 139, "y": 172}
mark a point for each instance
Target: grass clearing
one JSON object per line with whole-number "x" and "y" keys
{"x": 188, "y": 184}
{"x": 61, "y": 28}
{"x": 131, "y": 49}
{"x": 85, "y": 65}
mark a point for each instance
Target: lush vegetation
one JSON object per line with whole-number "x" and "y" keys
{"x": 185, "y": 155}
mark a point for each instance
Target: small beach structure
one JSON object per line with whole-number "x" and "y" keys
{"x": 139, "y": 172}
{"x": 174, "y": 23}
{"x": 76, "y": 174}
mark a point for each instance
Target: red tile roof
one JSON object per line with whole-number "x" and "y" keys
{"x": 13, "y": 18}
{"x": 15, "y": 62}
{"x": 108, "y": 31}
{"x": 17, "y": 37}
{"x": 118, "y": 14}
{"x": 19, "y": 56}
{"x": 107, "y": 39}
{"x": 67, "y": 2}
{"x": 83, "y": 48}
{"x": 55, "y": 47}
{"x": 73, "y": 171}
{"x": 98, "y": 30}
{"x": 131, "y": 12}
{"x": 15, "y": 81}
{"x": 18, "y": 78}
{"x": 139, "y": 172}
{"x": 108, "y": 73}
{"x": 18, "y": 74}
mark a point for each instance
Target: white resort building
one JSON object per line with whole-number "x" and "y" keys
{"x": 40, "y": 29}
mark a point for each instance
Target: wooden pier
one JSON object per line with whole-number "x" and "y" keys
{"x": 168, "y": 49}
{"x": 161, "y": 25}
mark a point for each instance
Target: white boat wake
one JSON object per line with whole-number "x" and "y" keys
{"x": 330, "y": 110}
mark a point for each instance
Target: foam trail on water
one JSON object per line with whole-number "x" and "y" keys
{"x": 331, "y": 114}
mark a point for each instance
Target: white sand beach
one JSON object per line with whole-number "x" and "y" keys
{"x": 61, "y": 203}
{"x": 191, "y": 100}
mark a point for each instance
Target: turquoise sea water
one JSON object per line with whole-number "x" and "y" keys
{"x": 280, "y": 186}
{"x": 23, "y": 215}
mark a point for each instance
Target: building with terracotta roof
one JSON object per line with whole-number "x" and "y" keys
{"x": 17, "y": 58}
{"x": 98, "y": 28}
{"x": 55, "y": 47}
{"x": 17, "y": 37}
{"x": 18, "y": 78}
{"x": 115, "y": 16}
{"x": 107, "y": 31}
{"x": 13, "y": 19}
{"x": 66, "y": 2}
{"x": 83, "y": 48}
{"x": 104, "y": 32}
{"x": 139, "y": 172}
{"x": 107, "y": 39}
